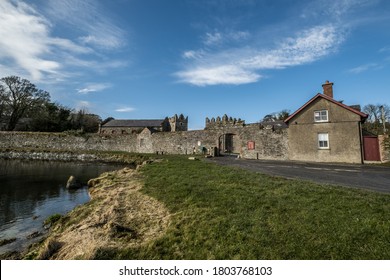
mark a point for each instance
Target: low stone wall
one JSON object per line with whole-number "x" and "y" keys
{"x": 265, "y": 143}
{"x": 65, "y": 142}
{"x": 49, "y": 156}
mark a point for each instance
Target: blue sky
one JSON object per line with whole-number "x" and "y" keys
{"x": 140, "y": 59}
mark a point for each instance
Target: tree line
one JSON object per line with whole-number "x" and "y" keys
{"x": 24, "y": 107}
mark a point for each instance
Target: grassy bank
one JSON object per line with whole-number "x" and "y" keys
{"x": 225, "y": 213}
{"x": 205, "y": 211}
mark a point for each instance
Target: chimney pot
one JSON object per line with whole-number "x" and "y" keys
{"x": 328, "y": 89}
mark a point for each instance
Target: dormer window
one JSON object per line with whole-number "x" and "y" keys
{"x": 321, "y": 116}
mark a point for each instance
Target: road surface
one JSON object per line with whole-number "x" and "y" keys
{"x": 369, "y": 177}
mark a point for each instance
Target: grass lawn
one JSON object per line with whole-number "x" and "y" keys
{"x": 227, "y": 213}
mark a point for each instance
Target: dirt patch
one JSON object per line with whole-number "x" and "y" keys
{"x": 118, "y": 216}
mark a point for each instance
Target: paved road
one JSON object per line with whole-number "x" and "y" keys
{"x": 374, "y": 178}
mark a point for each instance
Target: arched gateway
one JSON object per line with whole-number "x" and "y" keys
{"x": 229, "y": 143}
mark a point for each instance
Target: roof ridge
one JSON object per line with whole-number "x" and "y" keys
{"x": 363, "y": 115}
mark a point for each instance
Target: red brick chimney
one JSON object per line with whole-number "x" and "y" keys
{"x": 328, "y": 89}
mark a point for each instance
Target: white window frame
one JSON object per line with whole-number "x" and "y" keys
{"x": 321, "y": 116}
{"x": 323, "y": 141}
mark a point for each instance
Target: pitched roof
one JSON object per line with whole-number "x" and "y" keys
{"x": 133, "y": 123}
{"x": 319, "y": 95}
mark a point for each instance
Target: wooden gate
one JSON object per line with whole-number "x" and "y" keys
{"x": 371, "y": 148}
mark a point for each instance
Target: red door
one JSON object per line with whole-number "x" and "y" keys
{"x": 371, "y": 148}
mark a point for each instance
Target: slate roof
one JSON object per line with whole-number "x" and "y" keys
{"x": 320, "y": 95}
{"x": 133, "y": 123}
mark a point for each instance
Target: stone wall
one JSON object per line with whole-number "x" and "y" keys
{"x": 384, "y": 144}
{"x": 268, "y": 144}
{"x": 265, "y": 144}
{"x": 66, "y": 142}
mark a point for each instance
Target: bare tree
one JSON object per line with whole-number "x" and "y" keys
{"x": 378, "y": 117}
{"x": 373, "y": 112}
{"x": 277, "y": 116}
{"x": 18, "y": 97}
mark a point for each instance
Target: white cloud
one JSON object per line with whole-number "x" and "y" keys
{"x": 363, "y": 68}
{"x": 240, "y": 65}
{"x": 31, "y": 50}
{"x": 94, "y": 87}
{"x": 23, "y": 26}
{"x": 88, "y": 16}
{"x": 223, "y": 74}
{"x": 308, "y": 46}
{"x": 125, "y": 109}
{"x": 213, "y": 38}
{"x": 217, "y": 37}
{"x": 193, "y": 54}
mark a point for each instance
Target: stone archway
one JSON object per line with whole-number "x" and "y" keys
{"x": 229, "y": 143}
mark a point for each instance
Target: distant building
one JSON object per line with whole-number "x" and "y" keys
{"x": 175, "y": 123}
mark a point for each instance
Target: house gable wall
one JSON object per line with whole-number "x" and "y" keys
{"x": 342, "y": 127}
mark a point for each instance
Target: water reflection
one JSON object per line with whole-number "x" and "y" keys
{"x": 31, "y": 191}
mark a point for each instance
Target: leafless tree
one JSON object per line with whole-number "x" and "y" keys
{"x": 19, "y": 96}
{"x": 378, "y": 117}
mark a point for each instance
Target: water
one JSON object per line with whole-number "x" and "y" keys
{"x": 31, "y": 191}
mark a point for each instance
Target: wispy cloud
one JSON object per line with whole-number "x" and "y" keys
{"x": 212, "y": 38}
{"x": 94, "y": 87}
{"x": 125, "y": 109}
{"x": 218, "y": 37}
{"x": 215, "y": 75}
{"x": 384, "y": 49}
{"x": 23, "y": 26}
{"x": 240, "y": 66}
{"x": 87, "y": 16}
{"x": 314, "y": 32}
{"x": 31, "y": 50}
{"x": 365, "y": 67}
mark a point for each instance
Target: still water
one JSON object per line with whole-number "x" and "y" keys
{"x": 31, "y": 191}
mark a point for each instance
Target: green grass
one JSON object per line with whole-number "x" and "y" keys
{"x": 227, "y": 213}
{"x": 51, "y": 220}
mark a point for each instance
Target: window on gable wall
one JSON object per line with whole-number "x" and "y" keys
{"x": 323, "y": 140}
{"x": 321, "y": 116}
